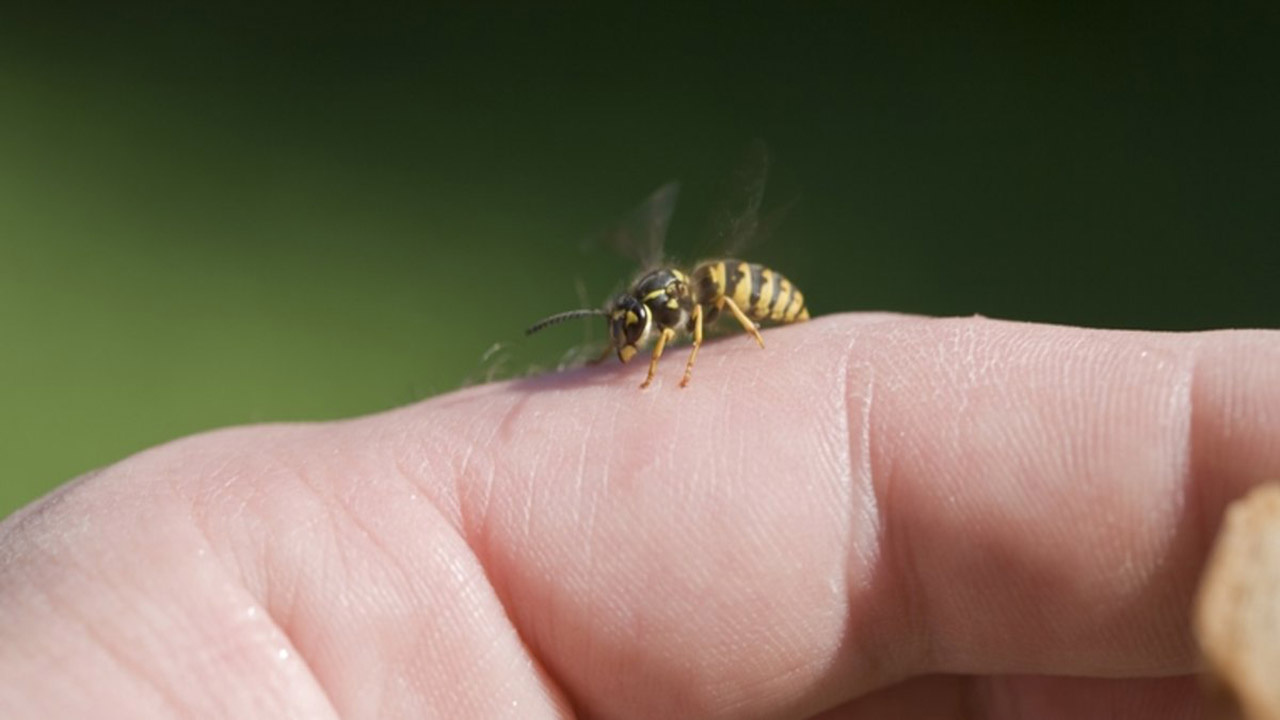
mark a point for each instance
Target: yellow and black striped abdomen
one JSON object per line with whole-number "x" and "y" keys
{"x": 761, "y": 293}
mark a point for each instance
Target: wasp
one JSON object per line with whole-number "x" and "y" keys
{"x": 665, "y": 302}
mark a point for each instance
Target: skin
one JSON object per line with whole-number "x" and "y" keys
{"x": 877, "y": 516}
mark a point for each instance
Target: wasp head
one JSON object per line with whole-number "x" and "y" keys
{"x": 629, "y": 323}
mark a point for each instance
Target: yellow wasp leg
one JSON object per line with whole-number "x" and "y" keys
{"x": 667, "y": 334}
{"x": 742, "y": 318}
{"x": 697, "y": 343}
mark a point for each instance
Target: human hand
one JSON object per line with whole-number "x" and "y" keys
{"x": 878, "y": 516}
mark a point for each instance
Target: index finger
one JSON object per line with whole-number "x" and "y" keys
{"x": 862, "y": 502}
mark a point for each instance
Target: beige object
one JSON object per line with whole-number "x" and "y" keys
{"x": 1237, "y": 619}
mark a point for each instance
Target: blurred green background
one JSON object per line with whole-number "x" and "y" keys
{"x": 230, "y": 213}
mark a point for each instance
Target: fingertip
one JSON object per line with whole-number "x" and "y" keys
{"x": 1235, "y": 396}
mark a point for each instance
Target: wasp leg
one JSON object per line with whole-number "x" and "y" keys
{"x": 667, "y": 334}
{"x": 603, "y": 356}
{"x": 746, "y": 321}
{"x": 697, "y": 343}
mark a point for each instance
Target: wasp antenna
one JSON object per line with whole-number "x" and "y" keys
{"x": 561, "y": 317}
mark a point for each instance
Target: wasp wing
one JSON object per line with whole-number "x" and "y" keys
{"x": 736, "y": 218}
{"x": 737, "y": 222}
{"x": 641, "y": 235}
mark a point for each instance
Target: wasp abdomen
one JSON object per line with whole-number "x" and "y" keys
{"x": 761, "y": 293}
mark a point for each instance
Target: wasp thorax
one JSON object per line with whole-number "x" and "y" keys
{"x": 629, "y": 323}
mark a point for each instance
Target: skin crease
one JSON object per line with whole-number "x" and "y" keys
{"x": 877, "y": 516}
